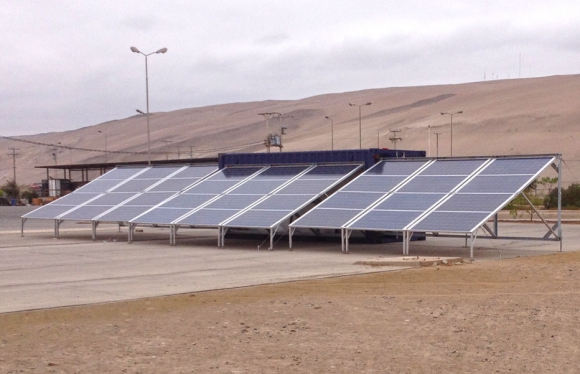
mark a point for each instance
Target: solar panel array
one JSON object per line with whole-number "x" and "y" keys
{"x": 84, "y": 194}
{"x": 455, "y": 195}
{"x": 122, "y": 193}
{"x": 196, "y": 196}
{"x": 416, "y": 196}
{"x": 359, "y": 195}
{"x": 485, "y": 194}
{"x": 286, "y": 201}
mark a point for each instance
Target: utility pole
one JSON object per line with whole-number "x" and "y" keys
{"x": 395, "y": 138}
{"x": 267, "y": 116}
{"x": 437, "y": 143}
{"x": 14, "y": 154}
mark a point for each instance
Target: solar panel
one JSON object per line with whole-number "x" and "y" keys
{"x": 135, "y": 185}
{"x": 123, "y": 215}
{"x": 121, "y": 173}
{"x": 359, "y": 194}
{"x": 293, "y": 197}
{"x": 149, "y": 199}
{"x": 111, "y": 199}
{"x": 473, "y": 204}
{"x": 161, "y": 216}
{"x": 191, "y": 199}
{"x": 99, "y": 185}
{"x": 208, "y": 217}
{"x": 174, "y": 184}
{"x": 158, "y": 172}
{"x": 85, "y": 212}
{"x": 48, "y": 211}
{"x": 417, "y": 195}
{"x": 258, "y": 218}
{"x": 196, "y": 171}
{"x": 243, "y": 196}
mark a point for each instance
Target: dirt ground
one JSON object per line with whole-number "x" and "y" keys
{"x": 518, "y": 315}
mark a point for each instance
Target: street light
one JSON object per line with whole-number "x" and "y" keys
{"x": 104, "y": 133}
{"x": 359, "y": 122}
{"x": 451, "y": 115}
{"x": 331, "y": 131}
{"x": 135, "y": 50}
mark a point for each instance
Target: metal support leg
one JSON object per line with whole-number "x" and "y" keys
{"x": 347, "y": 234}
{"x": 94, "y": 225}
{"x": 471, "y": 248}
{"x": 273, "y": 232}
{"x": 22, "y": 227}
{"x": 290, "y": 233}
{"x": 130, "y": 233}
{"x": 57, "y": 228}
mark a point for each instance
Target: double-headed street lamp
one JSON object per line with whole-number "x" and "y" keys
{"x": 451, "y": 115}
{"x": 106, "y": 153}
{"x": 331, "y": 132}
{"x": 359, "y": 122}
{"x": 135, "y": 50}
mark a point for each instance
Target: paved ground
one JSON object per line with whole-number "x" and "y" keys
{"x": 37, "y": 271}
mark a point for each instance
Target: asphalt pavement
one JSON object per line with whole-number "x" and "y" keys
{"x": 38, "y": 271}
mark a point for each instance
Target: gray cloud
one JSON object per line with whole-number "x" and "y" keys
{"x": 68, "y": 65}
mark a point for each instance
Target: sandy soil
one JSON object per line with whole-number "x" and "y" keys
{"x": 507, "y": 316}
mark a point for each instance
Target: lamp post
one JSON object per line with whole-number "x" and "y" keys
{"x": 135, "y": 50}
{"x": 106, "y": 153}
{"x": 359, "y": 122}
{"x": 451, "y": 115}
{"x": 437, "y": 144}
{"x": 331, "y": 132}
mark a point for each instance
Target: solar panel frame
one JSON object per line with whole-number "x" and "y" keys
{"x": 432, "y": 184}
{"x": 324, "y": 183}
{"x": 469, "y": 221}
{"x": 378, "y": 174}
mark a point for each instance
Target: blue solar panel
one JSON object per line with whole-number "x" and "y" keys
{"x": 237, "y": 174}
{"x": 187, "y": 201}
{"x": 308, "y": 186}
{"x": 451, "y": 222}
{"x": 284, "y": 202}
{"x": 325, "y": 218}
{"x": 281, "y": 172}
{"x": 409, "y": 201}
{"x": 370, "y": 183}
{"x": 234, "y": 201}
{"x": 121, "y": 173}
{"x": 258, "y": 218}
{"x": 149, "y": 199}
{"x": 438, "y": 184}
{"x": 158, "y": 172}
{"x": 48, "y": 211}
{"x": 474, "y": 202}
{"x": 111, "y": 199}
{"x": 497, "y": 184}
{"x": 123, "y": 215}
{"x": 208, "y": 217}
{"x": 453, "y": 167}
{"x": 174, "y": 185}
{"x": 509, "y": 166}
{"x": 85, "y": 213}
{"x": 329, "y": 171}
{"x": 396, "y": 168}
{"x": 99, "y": 185}
{"x": 212, "y": 187}
{"x": 385, "y": 220}
{"x": 351, "y": 200}
{"x": 195, "y": 172}
{"x": 262, "y": 187}
{"x": 75, "y": 198}
{"x": 135, "y": 185}
{"x": 161, "y": 216}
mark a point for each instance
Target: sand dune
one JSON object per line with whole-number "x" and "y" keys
{"x": 501, "y": 117}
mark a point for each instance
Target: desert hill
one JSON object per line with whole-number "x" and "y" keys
{"x": 500, "y": 117}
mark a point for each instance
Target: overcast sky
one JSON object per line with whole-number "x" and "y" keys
{"x": 67, "y": 64}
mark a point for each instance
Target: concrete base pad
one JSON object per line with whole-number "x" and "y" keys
{"x": 414, "y": 261}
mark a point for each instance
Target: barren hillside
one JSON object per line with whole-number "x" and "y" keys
{"x": 501, "y": 117}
